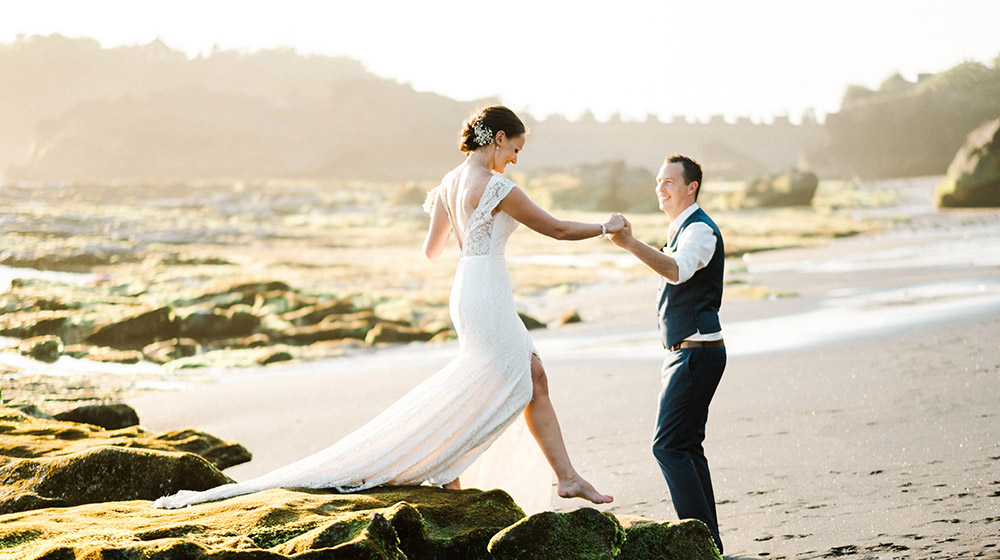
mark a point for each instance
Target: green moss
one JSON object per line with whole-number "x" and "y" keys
{"x": 269, "y": 537}
{"x": 18, "y": 538}
{"x": 685, "y": 540}
{"x": 584, "y": 534}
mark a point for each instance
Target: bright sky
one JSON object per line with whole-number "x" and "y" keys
{"x": 699, "y": 58}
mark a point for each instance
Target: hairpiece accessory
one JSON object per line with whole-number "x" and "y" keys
{"x": 483, "y": 133}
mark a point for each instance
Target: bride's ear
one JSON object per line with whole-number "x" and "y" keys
{"x": 500, "y": 136}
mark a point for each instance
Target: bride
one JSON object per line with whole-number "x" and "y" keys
{"x": 434, "y": 432}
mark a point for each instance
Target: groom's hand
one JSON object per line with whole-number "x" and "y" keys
{"x": 623, "y": 235}
{"x": 614, "y": 222}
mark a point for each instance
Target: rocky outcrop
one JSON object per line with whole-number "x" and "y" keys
{"x": 416, "y": 522}
{"x": 108, "y": 416}
{"x": 45, "y": 348}
{"x": 101, "y": 474}
{"x": 93, "y": 501}
{"x": 973, "y": 178}
{"x": 106, "y": 323}
{"x": 134, "y": 329}
{"x": 792, "y": 188}
{"x": 396, "y": 523}
{"x": 689, "y": 539}
{"x": 584, "y": 533}
{"x": 35, "y": 436}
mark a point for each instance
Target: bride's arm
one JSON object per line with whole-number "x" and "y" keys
{"x": 524, "y": 210}
{"x": 437, "y": 231}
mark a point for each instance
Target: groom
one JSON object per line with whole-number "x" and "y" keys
{"x": 690, "y": 266}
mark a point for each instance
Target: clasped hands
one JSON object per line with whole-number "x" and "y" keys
{"x": 618, "y": 227}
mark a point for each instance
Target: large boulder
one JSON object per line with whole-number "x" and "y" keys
{"x": 584, "y": 534}
{"x": 112, "y": 416}
{"x": 101, "y": 474}
{"x": 646, "y": 539}
{"x": 794, "y": 187}
{"x": 973, "y": 178}
{"x": 24, "y": 435}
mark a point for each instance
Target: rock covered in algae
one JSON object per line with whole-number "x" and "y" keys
{"x": 113, "y": 416}
{"x": 67, "y": 492}
{"x": 101, "y": 474}
{"x": 584, "y": 534}
{"x": 30, "y": 436}
{"x": 384, "y": 523}
{"x": 646, "y": 539}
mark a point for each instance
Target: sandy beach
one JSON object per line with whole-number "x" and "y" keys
{"x": 857, "y": 416}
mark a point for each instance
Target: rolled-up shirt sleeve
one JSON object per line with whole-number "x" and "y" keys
{"x": 695, "y": 248}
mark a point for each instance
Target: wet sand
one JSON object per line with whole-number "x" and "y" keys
{"x": 857, "y": 418}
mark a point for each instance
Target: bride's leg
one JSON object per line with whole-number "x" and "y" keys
{"x": 544, "y": 426}
{"x": 453, "y": 485}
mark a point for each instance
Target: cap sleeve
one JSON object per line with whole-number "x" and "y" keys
{"x": 496, "y": 190}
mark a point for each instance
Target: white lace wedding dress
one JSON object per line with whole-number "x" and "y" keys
{"x": 434, "y": 432}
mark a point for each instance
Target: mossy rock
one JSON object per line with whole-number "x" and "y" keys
{"x": 584, "y": 534}
{"x": 530, "y": 322}
{"x": 210, "y": 324}
{"x": 416, "y": 522}
{"x": 111, "y": 416}
{"x": 646, "y": 539}
{"x": 47, "y": 348}
{"x": 25, "y": 434}
{"x": 134, "y": 328}
{"x": 103, "y": 474}
{"x": 794, "y": 187}
{"x": 27, "y": 324}
{"x": 973, "y": 178}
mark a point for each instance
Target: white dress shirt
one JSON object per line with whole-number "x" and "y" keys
{"x": 693, "y": 251}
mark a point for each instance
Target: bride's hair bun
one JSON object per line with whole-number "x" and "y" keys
{"x": 494, "y": 118}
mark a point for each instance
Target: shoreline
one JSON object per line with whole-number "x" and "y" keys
{"x": 866, "y": 445}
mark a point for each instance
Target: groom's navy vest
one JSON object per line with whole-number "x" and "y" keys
{"x": 692, "y": 306}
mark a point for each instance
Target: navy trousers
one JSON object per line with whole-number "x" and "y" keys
{"x": 690, "y": 377}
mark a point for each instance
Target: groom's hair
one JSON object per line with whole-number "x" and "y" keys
{"x": 692, "y": 170}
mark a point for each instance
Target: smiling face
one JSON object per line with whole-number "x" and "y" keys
{"x": 506, "y": 150}
{"x": 672, "y": 192}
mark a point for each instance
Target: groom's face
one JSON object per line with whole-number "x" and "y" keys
{"x": 672, "y": 192}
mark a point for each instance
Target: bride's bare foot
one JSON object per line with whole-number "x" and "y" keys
{"x": 453, "y": 485}
{"x": 580, "y": 488}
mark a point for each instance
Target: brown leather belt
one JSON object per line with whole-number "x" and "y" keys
{"x": 697, "y": 344}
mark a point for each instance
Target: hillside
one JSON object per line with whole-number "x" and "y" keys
{"x": 76, "y": 112}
